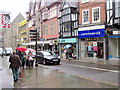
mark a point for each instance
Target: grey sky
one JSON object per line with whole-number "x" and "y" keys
{"x": 15, "y": 7}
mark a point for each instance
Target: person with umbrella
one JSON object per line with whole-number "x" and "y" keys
{"x": 19, "y": 51}
{"x": 68, "y": 51}
{"x": 30, "y": 57}
{"x": 67, "y": 54}
{"x": 23, "y": 59}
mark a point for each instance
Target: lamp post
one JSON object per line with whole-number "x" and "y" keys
{"x": 36, "y": 45}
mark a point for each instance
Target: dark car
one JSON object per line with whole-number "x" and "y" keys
{"x": 46, "y": 57}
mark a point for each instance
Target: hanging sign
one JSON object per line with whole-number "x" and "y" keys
{"x": 5, "y": 19}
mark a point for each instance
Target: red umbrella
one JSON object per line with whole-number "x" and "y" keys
{"x": 21, "y": 49}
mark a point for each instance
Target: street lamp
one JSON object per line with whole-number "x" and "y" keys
{"x": 36, "y": 64}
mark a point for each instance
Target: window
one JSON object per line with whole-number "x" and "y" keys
{"x": 84, "y": 1}
{"x": 67, "y": 27}
{"x": 67, "y": 10}
{"x": 52, "y": 12}
{"x": 44, "y": 15}
{"x": 85, "y": 16}
{"x": 75, "y": 24}
{"x": 45, "y": 30}
{"x": 117, "y": 9}
{"x": 52, "y": 28}
{"x": 96, "y": 14}
{"x": 58, "y": 11}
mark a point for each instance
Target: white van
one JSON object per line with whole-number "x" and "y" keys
{"x": 1, "y": 51}
{"x": 8, "y": 51}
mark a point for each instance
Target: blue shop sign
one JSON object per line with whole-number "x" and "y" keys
{"x": 91, "y": 33}
{"x": 68, "y": 40}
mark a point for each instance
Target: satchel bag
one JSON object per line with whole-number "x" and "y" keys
{"x": 20, "y": 74}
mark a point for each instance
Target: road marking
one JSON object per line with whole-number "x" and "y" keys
{"x": 93, "y": 68}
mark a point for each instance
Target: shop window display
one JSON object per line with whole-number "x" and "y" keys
{"x": 92, "y": 49}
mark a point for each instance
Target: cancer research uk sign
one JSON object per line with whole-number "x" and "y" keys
{"x": 5, "y": 19}
{"x": 91, "y": 33}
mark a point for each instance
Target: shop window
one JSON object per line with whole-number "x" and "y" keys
{"x": 92, "y": 49}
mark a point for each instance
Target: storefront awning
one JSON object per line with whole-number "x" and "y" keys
{"x": 114, "y": 36}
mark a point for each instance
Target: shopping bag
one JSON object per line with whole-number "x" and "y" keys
{"x": 20, "y": 74}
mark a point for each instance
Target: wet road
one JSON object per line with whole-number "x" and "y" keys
{"x": 51, "y": 76}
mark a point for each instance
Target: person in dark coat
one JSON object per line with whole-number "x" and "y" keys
{"x": 15, "y": 63}
{"x": 18, "y": 52}
{"x": 67, "y": 54}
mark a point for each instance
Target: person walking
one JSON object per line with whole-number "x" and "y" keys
{"x": 18, "y": 52}
{"x": 23, "y": 59}
{"x": 30, "y": 57}
{"x": 15, "y": 63}
{"x": 67, "y": 54}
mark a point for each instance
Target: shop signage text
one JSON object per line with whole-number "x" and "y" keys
{"x": 70, "y": 40}
{"x": 91, "y": 33}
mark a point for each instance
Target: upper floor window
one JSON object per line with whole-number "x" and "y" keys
{"x": 44, "y": 15}
{"x": 52, "y": 28}
{"x": 84, "y": 1}
{"x": 117, "y": 9}
{"x": 67, "y": 26}
{"x": 53, "y": 12}
{"x": 74, "y": 17}
{"x": 65, "y": 18}
{"x": 96, "y": 14}
{"x": 58, "y": 11}
{"x": 85, "y": 16}
{"x": 66, "y": 11}
{"x": 45, "y": 30}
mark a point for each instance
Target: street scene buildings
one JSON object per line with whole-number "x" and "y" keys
{"x": 88, "y": 29}
{"x": 84, "y": 24}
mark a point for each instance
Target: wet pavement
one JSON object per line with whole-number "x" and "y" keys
{"x": 6, "y": 78}
{"x": 47, "y": 77}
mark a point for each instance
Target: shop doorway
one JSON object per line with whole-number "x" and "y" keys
{"x": 100, "y": 51}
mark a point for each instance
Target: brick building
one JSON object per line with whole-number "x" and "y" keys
{"x": 91, "y": 34}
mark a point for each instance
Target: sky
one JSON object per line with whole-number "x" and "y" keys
{"x": 15, "y": 7}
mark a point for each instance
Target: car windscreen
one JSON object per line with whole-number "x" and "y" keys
{"x": 48, "y": 53}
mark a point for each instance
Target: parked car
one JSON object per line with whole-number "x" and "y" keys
{"x": 47, "y": 57}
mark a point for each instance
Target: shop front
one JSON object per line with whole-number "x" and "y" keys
{"x": 91, "y": 42}
{"x": 73, "y": 46}
{"x": 114, "y": 44}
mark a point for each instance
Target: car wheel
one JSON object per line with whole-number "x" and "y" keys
{"x": 44, "y": 62}
{"x": 58, "y": 63}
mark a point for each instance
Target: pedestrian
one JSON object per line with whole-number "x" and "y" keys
{"x": 15, "y": 64}
{"x": 67, "y": 54}
{"x": 27, "y": 62}
{"x": 30, "y": 57}
{"x": 23, "y": 59}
